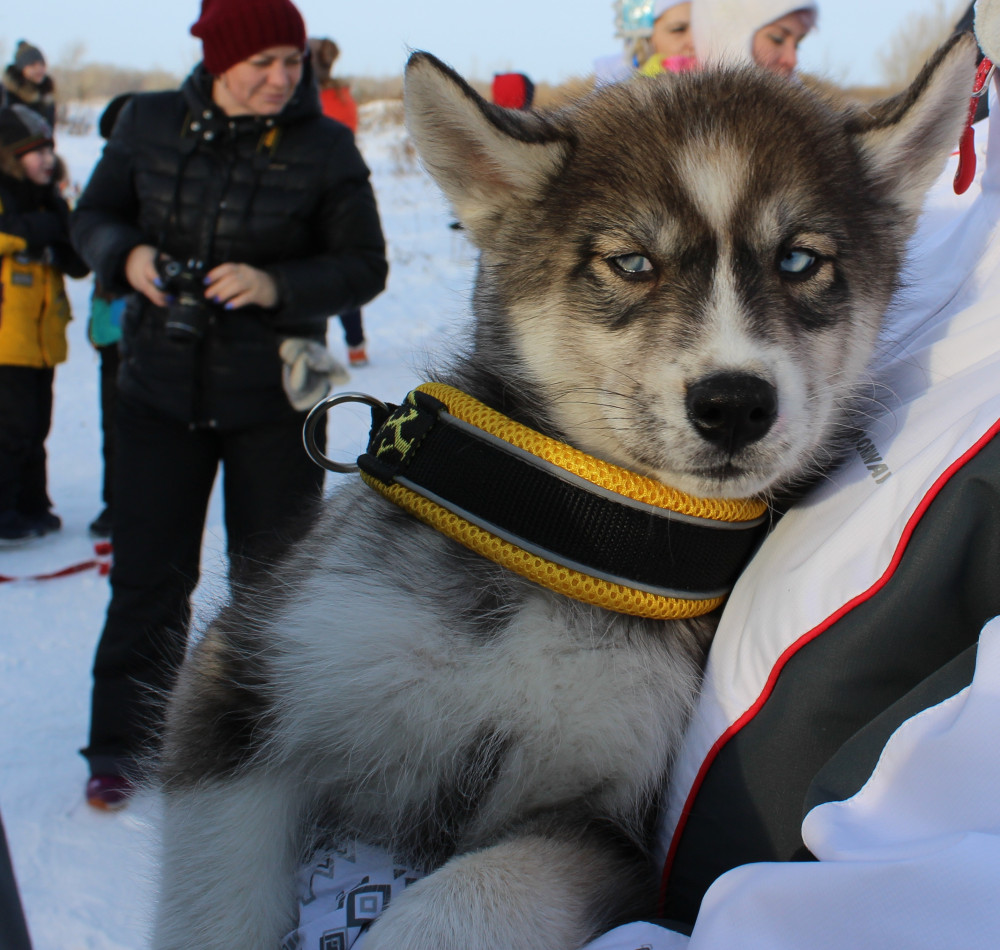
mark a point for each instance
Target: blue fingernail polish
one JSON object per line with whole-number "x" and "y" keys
{"x": 229, "y": 305}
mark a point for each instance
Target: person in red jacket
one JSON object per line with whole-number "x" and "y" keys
{"x": 513, "y": 90}
{"x": 336, "y": 101}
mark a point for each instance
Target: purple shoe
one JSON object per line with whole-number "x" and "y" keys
{"x": 109, "y": 792}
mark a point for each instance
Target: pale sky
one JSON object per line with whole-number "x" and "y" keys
{"x": 550, "y": 40}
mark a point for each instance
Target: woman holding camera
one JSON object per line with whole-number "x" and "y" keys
{"x": 238, "y": 217}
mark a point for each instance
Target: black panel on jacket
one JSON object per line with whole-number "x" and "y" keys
{"x": 848, "y": 771}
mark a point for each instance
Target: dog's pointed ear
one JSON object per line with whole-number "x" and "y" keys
{"x": 907, "y": 139}
{"x": 483, "y": 158}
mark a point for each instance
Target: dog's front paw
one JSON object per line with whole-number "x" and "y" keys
{"x": 531, "y": 893}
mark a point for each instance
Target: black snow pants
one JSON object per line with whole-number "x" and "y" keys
{"x": 25, "y": 418}
{"x": 109, "y": 395}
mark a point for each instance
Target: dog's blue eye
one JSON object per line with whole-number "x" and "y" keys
{"x": 632, "y": 263}
{"x": 797, "y": 261}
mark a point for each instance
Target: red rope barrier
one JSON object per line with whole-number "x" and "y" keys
{"x": 102, "y": 562}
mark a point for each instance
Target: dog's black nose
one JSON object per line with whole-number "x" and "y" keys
{"x": 732, "y": 410}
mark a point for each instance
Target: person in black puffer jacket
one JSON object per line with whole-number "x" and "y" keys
{"x": 237, "y": 216}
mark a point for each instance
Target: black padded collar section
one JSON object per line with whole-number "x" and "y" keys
{"x": 553, "y": 513}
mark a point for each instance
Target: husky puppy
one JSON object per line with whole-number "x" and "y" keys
{"x": 654, "y": 252}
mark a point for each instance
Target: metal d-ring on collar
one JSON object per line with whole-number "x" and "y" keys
{"x": 318, "y": 413}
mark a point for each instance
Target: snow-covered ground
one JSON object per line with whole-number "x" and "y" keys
{"x": 86, "y": 877}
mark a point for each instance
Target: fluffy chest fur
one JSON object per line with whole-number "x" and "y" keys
{"x": 496, "y": 699}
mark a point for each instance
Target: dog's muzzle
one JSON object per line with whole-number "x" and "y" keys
{"x": 571, "y": 522}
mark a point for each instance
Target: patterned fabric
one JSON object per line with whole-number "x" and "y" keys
{"x": 341, "y": 891}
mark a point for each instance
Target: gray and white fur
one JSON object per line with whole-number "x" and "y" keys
{"x": 684, "y": 276}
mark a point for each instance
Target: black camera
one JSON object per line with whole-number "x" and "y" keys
{"x": 188, "y": 311}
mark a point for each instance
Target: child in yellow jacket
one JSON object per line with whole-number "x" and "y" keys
{"x": 35, "y": 252}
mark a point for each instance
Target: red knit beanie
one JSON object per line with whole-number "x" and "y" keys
{"x": 233, "y": 30}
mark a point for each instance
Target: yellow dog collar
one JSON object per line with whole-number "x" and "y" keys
{"x": 573, "y": 523}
